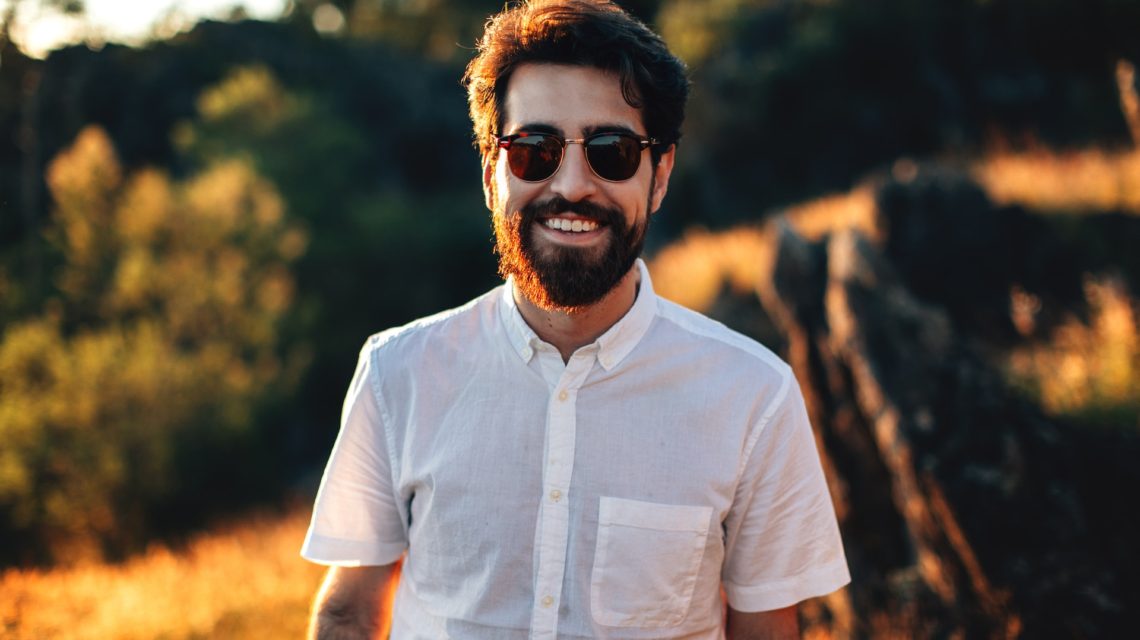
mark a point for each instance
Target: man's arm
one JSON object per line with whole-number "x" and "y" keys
{"x": 781, "y": 624}
{"x": 354, "y": 603}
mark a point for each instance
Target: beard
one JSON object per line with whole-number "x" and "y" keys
{"x": 566, "y": 278}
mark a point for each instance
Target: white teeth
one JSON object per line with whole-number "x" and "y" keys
{"x": 578, "y": 225}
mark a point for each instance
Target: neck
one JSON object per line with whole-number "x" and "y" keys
{"x": 570, "y": 330}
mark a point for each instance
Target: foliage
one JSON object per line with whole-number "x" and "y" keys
{"x": 387, "y": 190}
{"x": 296, "y": 140}
{"x": 797, "y": 97}
{"x": 164, "y": 329}
{"x": 442, "y": 30}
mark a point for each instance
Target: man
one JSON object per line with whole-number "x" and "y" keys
{"x": 570, "y": 456}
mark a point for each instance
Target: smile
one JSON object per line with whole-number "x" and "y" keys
{"x": 577, "y": 225}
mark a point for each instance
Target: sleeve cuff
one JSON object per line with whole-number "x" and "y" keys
{"x": 784, "y": 593}
{"x": 336, "y": 552}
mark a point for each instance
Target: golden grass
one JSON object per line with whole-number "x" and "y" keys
{"x": 1083, "y": 181}
{"x": 243, "y": 581}
{"x": 1085, "y": 367}
{"x": 693, "y": 270}
{"x": 853, "y": 210}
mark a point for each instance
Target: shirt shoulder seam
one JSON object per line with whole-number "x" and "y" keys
{"x": 381, "y": 339}
{"x": 705, "y": 327}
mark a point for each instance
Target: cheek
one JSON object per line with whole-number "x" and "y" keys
{"x": 515, "y": 194}
{"x": 635, "y": 199}
{"x": 512, "y": 192}
{"x": 502, "y": 183}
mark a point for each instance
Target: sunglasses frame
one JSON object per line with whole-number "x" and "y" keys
{"x": 506, "y": 141}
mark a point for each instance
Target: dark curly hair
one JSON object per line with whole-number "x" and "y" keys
{"x": 594, "y": 33}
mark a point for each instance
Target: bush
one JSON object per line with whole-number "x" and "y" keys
{"x": 164, "y": 331}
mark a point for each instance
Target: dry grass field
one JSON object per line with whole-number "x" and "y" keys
{"x": 240, "y": 581}
{"x": 1075, "y": 181}
{"x": 1088, "y": 368}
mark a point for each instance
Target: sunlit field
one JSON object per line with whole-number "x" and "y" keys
{"x": 1090, "y": 369}
{"x": 240, "y": 581}
{"x": 695, "y": 269}
{"x": 1074, "y": 181}
{"x": 1064, "y": 182}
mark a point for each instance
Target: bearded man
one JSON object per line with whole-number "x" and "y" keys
{"x": 569, "y": 455}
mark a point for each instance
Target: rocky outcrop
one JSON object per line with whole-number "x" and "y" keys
{"x": 964, "y": 509}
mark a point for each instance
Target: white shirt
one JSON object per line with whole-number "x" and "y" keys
{"x": 610, "y": 496}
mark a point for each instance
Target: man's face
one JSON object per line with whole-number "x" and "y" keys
{"x": 560, "y": 269}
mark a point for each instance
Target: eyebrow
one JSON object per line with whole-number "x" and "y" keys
{"x": 589, "y": 130}
{"x": 539, "y": 127}
{"x": 609, "y": 128}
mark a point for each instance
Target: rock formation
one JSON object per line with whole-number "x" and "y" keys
{"x": 966, "y": 512}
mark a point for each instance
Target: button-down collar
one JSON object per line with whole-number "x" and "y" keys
{"x": 612, "y": 346}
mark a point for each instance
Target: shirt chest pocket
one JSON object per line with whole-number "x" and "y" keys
{"x": 646, "y": 562}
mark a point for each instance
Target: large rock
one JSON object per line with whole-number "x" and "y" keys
{"x": 964, "y": 509}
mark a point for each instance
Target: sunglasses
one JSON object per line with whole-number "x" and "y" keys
{"x": 613, "y": 157}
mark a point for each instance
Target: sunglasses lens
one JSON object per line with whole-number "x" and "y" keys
{"x": 534, "y": 157}
{"x": 613, "y": 156}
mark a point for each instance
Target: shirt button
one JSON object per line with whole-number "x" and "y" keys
{"x": 547, "y": 601}
{"x": 556, "y": 495}
{"x": 562, "y": 395}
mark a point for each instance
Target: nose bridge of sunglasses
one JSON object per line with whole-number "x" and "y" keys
{"x": 575, "y": 151}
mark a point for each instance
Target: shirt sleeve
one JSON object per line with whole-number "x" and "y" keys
{"x": 782, "y": 540}
{"x": 356, "y": 520}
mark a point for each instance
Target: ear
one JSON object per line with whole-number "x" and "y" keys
{"x": 661, "y": 175}
{"x": 489, "y": 180}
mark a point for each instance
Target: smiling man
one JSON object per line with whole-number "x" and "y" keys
{"x": 569, "y": 455}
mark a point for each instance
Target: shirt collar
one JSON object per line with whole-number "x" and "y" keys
{"x": 521, "y": 336}
{"x": 613, "y": 345}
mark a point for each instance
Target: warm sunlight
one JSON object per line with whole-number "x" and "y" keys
{"x": 40, "y": 28}
{"x": 256, "y": 319}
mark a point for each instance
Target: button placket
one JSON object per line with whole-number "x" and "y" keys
{"x": 552, "y": 532}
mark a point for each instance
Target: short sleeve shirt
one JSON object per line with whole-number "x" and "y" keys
{"x": 611, "y": 496}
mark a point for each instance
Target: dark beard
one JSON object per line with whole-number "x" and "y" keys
{"x": 566, "y": 278}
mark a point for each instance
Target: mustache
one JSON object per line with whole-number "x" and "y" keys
{"x": 558, "y": 204}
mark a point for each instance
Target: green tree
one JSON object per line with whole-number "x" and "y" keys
{"x": 164, "y": 332}
{"x": 390, "y": 201}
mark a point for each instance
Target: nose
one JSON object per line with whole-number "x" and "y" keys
{"x": 574, "y": 180}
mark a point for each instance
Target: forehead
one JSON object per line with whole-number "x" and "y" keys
{"x": 572, "y": 99}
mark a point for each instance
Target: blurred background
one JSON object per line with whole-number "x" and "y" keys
{"x": 932, "y": 210}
